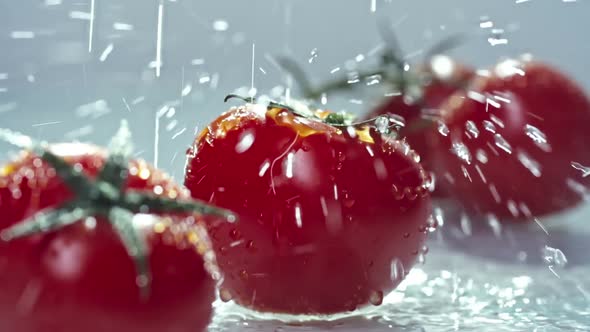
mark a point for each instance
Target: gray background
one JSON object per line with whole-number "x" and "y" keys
{"x": 45, "y": 80}
{"x": 65, "y": 75}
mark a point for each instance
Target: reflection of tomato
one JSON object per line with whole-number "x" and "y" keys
{"x": 511, "y": 140}
{"x": 443, "y": 77}
{"x": 80, "y": 277}
{"x": 331, "y": 218}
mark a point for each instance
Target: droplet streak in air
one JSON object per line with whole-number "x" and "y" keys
{"x": 461, "y": 151}
{"x": 245, "y": 142}
{"x": 501, "y": 142}
{"x": 529, "y": 163}
{"x": 538, "y": 137}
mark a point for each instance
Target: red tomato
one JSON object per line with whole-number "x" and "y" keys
{"x": 331, "y": 218}
{"x": 512, "y": 138}
{"x": 81, "y": 277}
{"x": 419, "y": 107}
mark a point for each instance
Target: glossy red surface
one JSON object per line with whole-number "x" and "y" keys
{"x": 328, "y": 222}
{"x": 420, "y": 115}
{"x": 80, "y": 278}
{"x": 530, "y": 124}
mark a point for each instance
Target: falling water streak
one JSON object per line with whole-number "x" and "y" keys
{"x": 373, "y": 6}
{"x": 159, "y": 114}
{"x": 253, "y": 63}
{"x": 159, "y": 39}
{"x": 126, "y": 104}
{"x": 107, "y": 51}
{"x": 182, "y": 94}
{"x": 272, "y": 182}
{"x": 583, "y": 169}
{"x": 298, "y": 215}
{"x": 91, "y": 26}
{"x": 541, "y": 225}
{"x": 46, "y": 123}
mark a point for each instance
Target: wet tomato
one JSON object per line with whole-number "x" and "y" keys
{"x": 78, "y": 254}
{"x": 331, "y": 218}
{"x": 418, "y": 107}
{"x": 512, "y": 140}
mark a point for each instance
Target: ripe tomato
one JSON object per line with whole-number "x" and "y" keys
{"x": 81, "y": 277}
{"x": 510, "y": 140}
{"x": 419, "y": 105}
{"x": 331, "y": 217}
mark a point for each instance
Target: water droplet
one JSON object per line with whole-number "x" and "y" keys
{"x": 465, "y": 225}
{"x": 421, "y": 258}
{"x": 554, "y": 256}
{"x": 225, "y": 295}
{"x": 415, "y": 156}
{"x": 481, "y": 156}
{"x": 410, "y": 194}
{"x": 349, "y": 202}
{"x": 250, "y": 246}
{"x": 538, "y": 137}
{"x": 442, "y": 128}
{"x": 437, "y": 213}
{"x": 397, "y": 271}
{"x": 511, "y": 205}
{"x": 472, "y": 128}
{"x": 142, "y": 280}
{"x": 350, "y": 306}
{"x": 313, "y": 55}
{"x": 489, "y": 126}
{"x": 220, "y": 25}
{"x": 495, "y": 225}
{"x": 431, "y": 223}
{"x": 430, "y": 182}
{"x": 461, "y": 151}
{"x": 406, "y": 235}
{"x": 245, "y": 141}
{"x": 397, "y": 194}
{"x": 235, "y": 234}
{"x": 529, "y": 163}
{"x": 382, "y": 124}
{"x": 425, "y": 249}
{"x": 244, "y": 274}
{"x": 497, "y": 120}
{"x": 376, "y": 298}
{"x": 158, "y": 190}
{"x": 90, "y": 223}
{"x": 502, "y": 143}
{"x": 397, "y": 120}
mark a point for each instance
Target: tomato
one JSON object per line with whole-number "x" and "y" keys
{"x": 81, "y": 276}
{"x": 331, "y": 217}
{"x": 510, "y": 140}
{"x": 419, "y": 106}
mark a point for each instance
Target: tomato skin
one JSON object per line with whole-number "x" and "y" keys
{"x": 81, "y": 278}
{"x": 513, "y": 174}
{"x": 421, "y": 129}
{"x": 319, "y": 222}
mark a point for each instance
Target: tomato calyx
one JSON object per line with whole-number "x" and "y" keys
{"x": 392, "y": 70}
{"x": 103, "y": 196}
{"x": 384, "y": 124}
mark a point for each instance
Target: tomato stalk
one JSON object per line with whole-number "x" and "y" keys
{"x": 382, "y": 123}
{"x": 392, "y": 70}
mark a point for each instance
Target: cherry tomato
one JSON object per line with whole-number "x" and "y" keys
{"x": 79, "y": 276}
{"x": 419, "y": 106}
{"x": 511, "y": 139}
{"x": 331, "y": 218}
